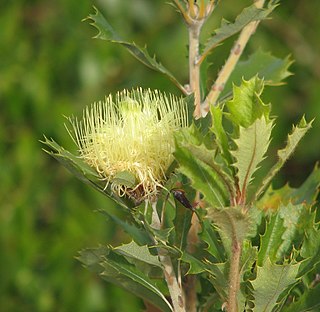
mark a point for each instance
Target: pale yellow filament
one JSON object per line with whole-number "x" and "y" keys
{"x": 133, "y": 133}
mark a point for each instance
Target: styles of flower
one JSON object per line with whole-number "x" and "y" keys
{"x": 131, "y": 133}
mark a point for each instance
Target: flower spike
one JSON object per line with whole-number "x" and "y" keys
{"x": 132, "y": 134}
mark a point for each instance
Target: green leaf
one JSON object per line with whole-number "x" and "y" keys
{"x": 91, "y": 258}
{"x": 195, "y": 265}
{"x": 83, "y": 172}
{"x": 73, "y": 163}
{"x": 226, "y": 30}
{"x": 161, "y": 235}
{"x": 193, "y": 143}
{"x": 114, "y": 269}
{"x": 125, "y": 178}
{"x": 220, "y": 279}
{"x": 273, "y": 198}
{"x": 308, "y": 302}
{"x": 182, "y": 224}
{"x": 271, "y": 69}
{"x": 220, "y": 134}
{"x": 252, "y": 145}
{"x": 106, "y": 32}
{"x": 204, "y": 78}
{"x": 271, "y": 281}
{"x": 294, "y": 138}
{"x": 247, "y": 263}
{"x": 134, "y": 281}
{"x": 213, "y": 241}
{"x": 217, "y": 273}
{"x": 284, "y": 231}
{"x": 141, "y": 253}
{"x": 271, "y": 240}
{"x": 203, "y": 177}
{"x": 232, "y": 223}
{"x": 248, "y": 258}
{"x": 295, "y": 217}
{"x": 139, "y": 235}
{"x": 306, "y": 193}
{"x": 310, "y": 248}
{"x": 246, "y": 105}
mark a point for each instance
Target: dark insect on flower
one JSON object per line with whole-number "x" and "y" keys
{"x": 180, "y": 196}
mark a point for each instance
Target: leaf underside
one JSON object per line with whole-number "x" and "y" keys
{"x": 252, "y": 145}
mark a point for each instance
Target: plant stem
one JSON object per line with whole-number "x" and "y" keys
{"x": 234, "y": 278}
{"x": 194, "y": 66}
{"x": 230, "y": 64}
{"x": 174, "y": 287}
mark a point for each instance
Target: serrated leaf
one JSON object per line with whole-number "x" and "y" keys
{"x": 220, "y": 280}
{"x": 195, "y": 265}
{"x": 161, "y": 235}
{"x": 271, "y": 69}
{"x": 198, "y": 133}
{"x": 226, "y": 30}
{"x": 271, "y": 240}
{"x": 232, "y": 223}
{"x": 91, "y": 258}
{"x": 246, "y": 105}
{"x": 271, "y": 281}
{"x": 116, "y": 270}
{"x": 306, "y": 193}
{"x": 284, "y": 231}
{"x": 248, "y": 257}
{"x": 182, "y": 224}
{"x": 203, "y": 177}
{"x": 295, "y": 217}
{"x": 247, "y": 263}
{"x": 106, "y": 32}
{"x": 310, "y": 248}
{"x": 294, "y": 138}
{"x": 292, "y": 226}
{"x": 252, "y": 145}
{"x": 272, "y": 198}
{"x": 141, "y": 253}
{"x": 217, "y": 272}
{"x": 72, "y": 162}
{"x": 220, "y": 134}
{"x": 309, "y": 190}
{"x": 139, "y": 235}
{"x": 308, "y": 302}
{"x": 214, "y": 245}
{"x": 134, "y": 281}
{"x": 83, "y": 172}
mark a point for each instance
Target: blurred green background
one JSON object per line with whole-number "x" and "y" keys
{"x": 50, "y": 67}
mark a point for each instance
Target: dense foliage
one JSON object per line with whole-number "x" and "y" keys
{"x": 51, "y": 68}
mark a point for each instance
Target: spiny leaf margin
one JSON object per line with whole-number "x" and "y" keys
{"x": 106, "y": 32}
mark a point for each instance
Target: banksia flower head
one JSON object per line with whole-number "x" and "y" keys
{"x": 132, "y": 134}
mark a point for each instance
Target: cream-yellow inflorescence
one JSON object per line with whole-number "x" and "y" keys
{"x": 133, "y": 133}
